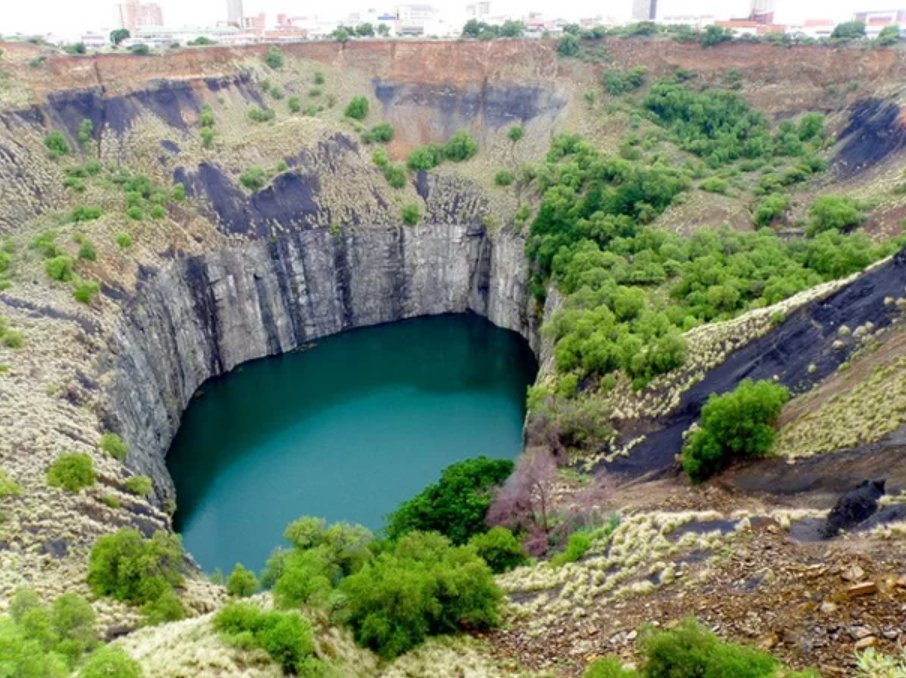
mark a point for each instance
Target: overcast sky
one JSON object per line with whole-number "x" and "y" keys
{"x": 71, "y": 17}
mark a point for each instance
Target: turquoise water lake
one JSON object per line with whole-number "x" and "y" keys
{"x": 345, "y": 430}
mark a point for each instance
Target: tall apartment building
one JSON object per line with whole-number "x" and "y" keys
{"x": 234, "y": 12}
{"x": 644, "y": 10}
{"x": 134, "y": 14}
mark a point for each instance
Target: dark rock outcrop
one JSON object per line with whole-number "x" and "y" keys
{"x": 854, "y": 507}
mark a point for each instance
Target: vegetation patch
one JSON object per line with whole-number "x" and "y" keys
{"x": 72, "y": 472}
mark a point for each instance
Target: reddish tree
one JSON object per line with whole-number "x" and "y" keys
{"x": 524, "y": 500}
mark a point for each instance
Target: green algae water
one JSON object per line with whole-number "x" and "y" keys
{"x": 345, "y": 430}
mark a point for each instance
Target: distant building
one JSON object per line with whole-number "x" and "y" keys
{"x": 134, "y": 14}
{"x": 762, "y": 12}
{"x": 478, "y": 10}
{"x": 417, "y": 20}
{"x": 234, "y": 12}
{"x": 875, "y": 21}
{"x": 813, "y": 28}
{"x": 644, "y": 10}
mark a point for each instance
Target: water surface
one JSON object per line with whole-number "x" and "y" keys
{"x": 344, "y": 430}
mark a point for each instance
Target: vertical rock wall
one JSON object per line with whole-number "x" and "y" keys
{"x": 201, "y": 316}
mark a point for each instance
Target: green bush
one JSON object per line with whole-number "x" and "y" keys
{"x": 834, "y": 212}
{"x": 715, "y": 185}
{"x": 770, "y": 208}
{"x": 86, "y": 130}
{"x": 609, "y": 667}
{"x": 499, "y": 548}
{"x": 569, "y": 46}
{"x": 139, "y": 485}
{"x": 11, "y": 338}
{"x": 461, "y": 146}
{"x": 425, "y": 157}
{"x": 135, "y": 213}
{"x": 108, "y": 662}
{"x": 410, "y": 214}
{"x": 274, "y": 58}
{"x": 124, "y": 241}
{"x": 242, "y": 582}
{"x": 737, "y": 424}
{"x": 576, "y": 548}
{"x": 179, "y": 192}
{"x": 515, "y": 133}
{"x": 56, "y": 143}
{"x": 85, "y": 213}
{"x": 87, "y": 250}
{"x": 166, "y": 607}
{"x": 380, "y": 133}
{"x": 621, "y": 82}
{"x": 889, "y": 35}
{"x": 46, "y": 244}
{"x": 715, "y": 35}
{"x": 295, "y": 104}
{"x": 257, "y": 114}
{"x": 253, "y": 179}
{"x": 503, "y": 178}
{"x": 85, "y": 291}
{"x": 422, "y": 586}
{"x": 380, "y": 157}
{"x": 59, "y": 268}
{"x": 207, "y": 136}
{"x": 357, "y": 108}
{"x": 128, "y": 567}
{"x": 456, "y": 505}
{"x": 849, "y": 30}
{"x": 285, "y": 636}
{"x": 395, "y": 175}
{"x": 206, "y": 119}
{"x": 72, "y": 472}
{"x": 158, "y": 212}
{"x": 319, "y": 78}
{"x": 8, "y": 486}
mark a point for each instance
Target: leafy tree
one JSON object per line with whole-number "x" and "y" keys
{"x": 499, "y": 548}
{"x": 274, "y": 58}
{"x": 295, "y": 104}
{"x": 86, "y": 213}
{"x": 461, "y": 146}
{"x": 56, "y": 143}
{"x": 425, "y": 158}
{"x": 523, "y": 503}
{"x": 410, "y": 214}
{"x": 511, "y": 29}
{"x": 140, "y": 50}
{"x": 242, "y": 582}
{"x": 515, "y": 133}
{"x": 253, "y": 179}
{"x": 86, "y": 130}
{"x": 126, "y": 566}
{"x": 109, "y": 661}
{"x": 257, "y": 114}
{"x": 456, "y": 504}
{"x": 118, "y": 35}
{"x": 569, "y": 46}
{"x": 164, "y": 608}
{"x": 285, "y": 636}
{"x": 85, "y": 291}
{"x": 395, "y": 175}
{"x": 834, "y": 212}
{"x": 357, "y": 108}
{"x": 769, "y": 208}
{"x": 76, "y": 48}
{"x": 849, "y": 30}
{"x": 714, "y": 35}
{"x": 503, "y": 178}
{"x": 381, "y": 133}
{"x": 365, "y": 30}
{"x": 422, "y": 586}
{"x": 889, "y": 35}
{"x": 72, "y": 472}
{"x": 736, "y": 424}
{"x": 340, "y": 35}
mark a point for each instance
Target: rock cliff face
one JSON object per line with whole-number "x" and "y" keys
{"x": 201, "y": 316}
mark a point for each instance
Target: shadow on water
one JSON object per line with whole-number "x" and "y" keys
{"x": 346, "y": 430}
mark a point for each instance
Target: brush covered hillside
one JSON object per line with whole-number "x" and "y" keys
{"x": 702, "y": 245}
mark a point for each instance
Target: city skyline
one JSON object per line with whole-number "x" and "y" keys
{"x": 68, "y": 20}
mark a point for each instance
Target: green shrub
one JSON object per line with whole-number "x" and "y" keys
{"x": 124, "y": 241}
{"x": 72, "y": 472}
{"x": 380, "y": 157}
{"x": 158, "y": 212}
{"x": 715, "y": 185}
{"x": 357, "y": 108}
{"x": 315, "y": 92}
{"x": 257, "y": 114}
{"x": 499, "y": 548}
{"x": 621, "y": 82}
{"x": 285, "y": 636}
{"x": 86, "y": 130}
{"x": 242, "y": 582}
{"x": 87, "y": 250}
{"x": 139, "y": 485}
{"x": 110, "y": 500}
{"x": 207, "y": 136}
{"x": 461, "y": 146}
{"x": 609, "y": 667}
{"x": 56, "y": 143}
{"x": 206, "y": 119}
{"x": 515, "y": 133}
{"x": 179, "y": 192}
{"x": 849, "y": 30}
{"x": 715, "y": 35}
{"x": 395, "y": 175}
{"x": 568, "y": 46}
{"x": 410, "y": 214}
{"x": 85, "y": 291}
{"x": 140, "y": 50}
{"x": 108, "y": 662}
{"x": 11, "y": 338}
{"x": 253, "y": 179}
{"x": 456, "y": 505}
{"x": 46, "y": 244}
{"x": 736, "y": 424}
{"x": 770, "y": 208}
{"x": 73, "y": 623}
{"x": 274, "y": 58}
{"x": 423, "y": 586}
{"x": 889, "y": 35}
{"x": 425, "y": 157}
{"x": 59, "y": 268}
{"x": 276, "y": 93}
{"x": 166, "y": 607}
{"x": 128, "y": 567}
{"x": 576, "y": 548}
{"x": 135, "y": 212}
{"x": 8, "y": 486}
{"x": 834, "y": 212}
{"x": 295, "y": 104}
{"x": 85, "y": 213}
{"x": 380, "y": 133}
{"x": 319, "y": 78}
{"x": 503, "y": 178}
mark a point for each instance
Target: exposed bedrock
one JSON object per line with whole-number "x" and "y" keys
{"x": 200, "y": 316}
